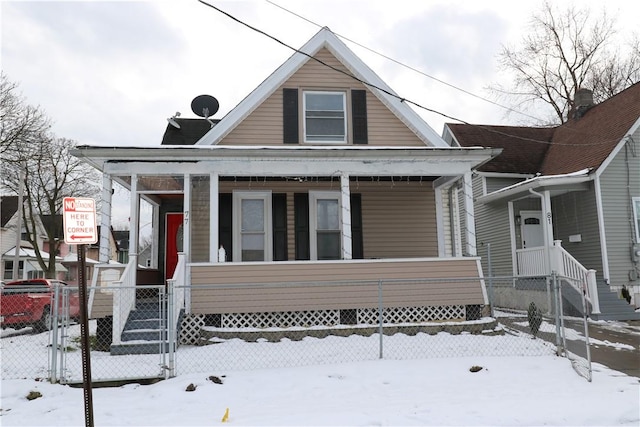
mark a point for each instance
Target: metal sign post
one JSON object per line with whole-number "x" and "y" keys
{"x": 80, "y": 228}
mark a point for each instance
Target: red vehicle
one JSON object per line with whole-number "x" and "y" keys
{"x": 30, "y": 303}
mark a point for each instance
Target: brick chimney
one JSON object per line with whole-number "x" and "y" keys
{"x": 583, "y": 100}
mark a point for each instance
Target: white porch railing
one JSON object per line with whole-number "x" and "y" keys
{"x": 534, "y": 262}
{"x": 584, "y": 280}
{"x": 104, "y": 276}
{"x": 125, "y": 299}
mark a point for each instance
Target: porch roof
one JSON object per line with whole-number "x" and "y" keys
{"x": 282, "y": 161}
{"x": 556, "y": 184}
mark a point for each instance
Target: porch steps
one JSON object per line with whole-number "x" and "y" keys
{"x": 613, "y": 307}
{"x": 144, "y": 332}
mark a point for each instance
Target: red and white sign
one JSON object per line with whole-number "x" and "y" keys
{"x": 80, "y": 221}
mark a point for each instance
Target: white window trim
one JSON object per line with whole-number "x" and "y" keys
{"x": 238, "y": 196}
{"x": 304, "y": 115}
{"x": 313, "y": 218}
{"x": 635, "y": 202}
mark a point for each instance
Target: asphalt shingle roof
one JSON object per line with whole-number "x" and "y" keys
{"x": 190, "y": 132}
{"x": 575, "y": 145}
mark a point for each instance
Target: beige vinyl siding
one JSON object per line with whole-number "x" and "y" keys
{"x": 263, "y": 126}
{"x": 398, "y": 219}
{"x": 620, "y": 182}
{"x": 300, "y": 286}
{"x": 447, "y": 227}
{"x": 200, "y": 219}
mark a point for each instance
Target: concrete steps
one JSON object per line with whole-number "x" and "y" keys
{"x": 613, "y": 307}
{"x": 145, "y": 331}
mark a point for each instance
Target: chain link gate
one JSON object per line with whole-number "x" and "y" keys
{"x": 139, "y": 351}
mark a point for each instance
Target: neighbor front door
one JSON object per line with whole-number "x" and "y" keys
{"x": 531, "y": 229}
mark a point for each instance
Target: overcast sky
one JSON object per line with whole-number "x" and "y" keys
{"x": 111, "y": 73}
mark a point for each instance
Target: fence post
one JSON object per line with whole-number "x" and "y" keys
{"x": 586, "y": 331}
{"x": 380, "y": 317}
{"x": 490, "y": 271}
{"x": 171, "y": 329}
{"x": 556, "y": 311}
{"x": 54, "y": 333}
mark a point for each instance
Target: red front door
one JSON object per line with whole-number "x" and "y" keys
{"x": 173, "y": 242}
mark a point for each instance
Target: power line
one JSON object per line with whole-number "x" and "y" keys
{"x": 486, "y": 128}
{"x": 406, "y": 65}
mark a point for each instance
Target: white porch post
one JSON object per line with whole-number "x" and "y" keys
{"x": 439, "y": 194}
{"x": 105, "y": 219}
{"x": 186, "y": 223}
{"x": 134, "y": 217}
{"x": 347, "y": 246}
{"x": 214, "y": 239}
{"x": 186, "y": 240}
{"x": 512, "y": 234}
{"x": 548, "y": 219}
{"x": 155, "y": 246}
{"x": 469, "y": 215}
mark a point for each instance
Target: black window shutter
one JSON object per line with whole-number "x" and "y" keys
{"x": 357, "y": 247}
{"x": 301, "y": 225}
{"x": 290, "y": 116}
{"x": 225, "y": 217}
{"x": 279, "y": 213}
{"x": 359, "y": 116}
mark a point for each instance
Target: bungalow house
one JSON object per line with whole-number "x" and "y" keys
{"x": 565, "y": 198}
{"x": 320, "y": 178}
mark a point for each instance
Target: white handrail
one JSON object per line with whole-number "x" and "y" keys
{"x": 125, "y": 300}
{"x": 534, "y": 262}
{"x": 583, "y": 279}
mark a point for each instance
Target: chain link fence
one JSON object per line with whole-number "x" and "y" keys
{"x": 525, "y": 319}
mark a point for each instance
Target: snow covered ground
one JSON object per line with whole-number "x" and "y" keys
{"x": 504, "y": 391}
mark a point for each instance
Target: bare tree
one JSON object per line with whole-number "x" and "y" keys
{"x": 565, "y": 51}
{"x": 19, "y": 122}
{"x": 40, "y": 165}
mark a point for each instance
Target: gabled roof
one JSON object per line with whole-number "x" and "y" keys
{"x": 8, "y": 208}
{"x": 588, "y": 141}
{"x": 324, "y": 39}
{"x": 580, "y": 143}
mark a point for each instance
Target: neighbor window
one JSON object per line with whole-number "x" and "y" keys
{"x": 252, "y": 230}
{"x": 636, "y": 216}
{"x": 325, "y": 225}
{"x": 324, "y": 117}
{"x": 8, "y": 270}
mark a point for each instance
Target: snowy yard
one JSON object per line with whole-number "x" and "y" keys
{"x": 506, "y": 390}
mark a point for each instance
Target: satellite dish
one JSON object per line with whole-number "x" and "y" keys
{"x": 204, "y": 106}
{"x": 172, "y": 120}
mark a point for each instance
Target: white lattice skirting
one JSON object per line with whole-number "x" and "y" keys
{"x": 412, "y": 314}
{"x": 285, "y": 319}
{"x": 367, "y": 316}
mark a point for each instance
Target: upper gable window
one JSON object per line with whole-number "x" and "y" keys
{"x": 325, "y": 118}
